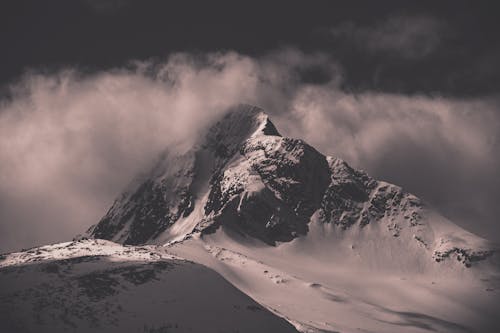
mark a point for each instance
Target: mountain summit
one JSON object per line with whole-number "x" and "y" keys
{"x": 245, "y": 176}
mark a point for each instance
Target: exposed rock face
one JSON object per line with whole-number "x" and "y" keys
{"x": 354, "y": 198}
{"x": 270, "y": 190}
{"x": 244, "y": 175}
{"x": 467, "y": 256}
{"x": 154, "y": 205}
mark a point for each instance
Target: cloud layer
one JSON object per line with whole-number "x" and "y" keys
{"x": 70, "y": 142}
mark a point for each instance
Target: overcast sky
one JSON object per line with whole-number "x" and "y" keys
{"x": 92, "y": 90}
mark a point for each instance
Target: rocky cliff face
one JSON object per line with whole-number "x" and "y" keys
{"x": 153, "y": 204}
{"x": 244, "y": 175}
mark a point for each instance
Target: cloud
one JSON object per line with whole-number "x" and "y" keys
{"x": 408, "y": 37}
{"x": 69, "y": 143}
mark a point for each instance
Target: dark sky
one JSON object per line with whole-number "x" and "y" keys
{"x": 92, "y": 90}
{"x": 100, "y": 34}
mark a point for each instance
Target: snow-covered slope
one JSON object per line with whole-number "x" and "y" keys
{"x": 100, "y": 286}
{"x": 321, "y": 286}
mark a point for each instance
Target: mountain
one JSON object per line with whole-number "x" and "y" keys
{"x": 244, "y": 175}
{"x": 307, "y": 237}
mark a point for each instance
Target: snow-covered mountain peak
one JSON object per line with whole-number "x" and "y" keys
{"x": 245, "y": 176}
{"x": 239, "y": 124}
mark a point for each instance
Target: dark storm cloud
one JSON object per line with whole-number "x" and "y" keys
{"x": 408, "y": 37}
{"x": 69, "y": 142}
{"x": 431, "y": 47}
{"x": 106, "y": 6}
